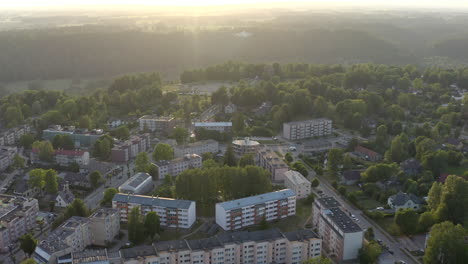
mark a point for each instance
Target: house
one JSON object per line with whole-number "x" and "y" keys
{"x": 351, "y": 177}
{"x": 411, "y": 167}
{"x": 65, "y": 197}
{"x": 230, "y": 108}
{"x": 76, "y": 179}
{"x": 403, "y": 200}
{"x": 367, "y": 154}
{"x": 22, "y": 189}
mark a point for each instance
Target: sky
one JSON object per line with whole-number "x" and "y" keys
{"x": 377, "y": 3}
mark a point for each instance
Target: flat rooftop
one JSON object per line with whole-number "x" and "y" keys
{"x": 136, "y": 180}
{"x": 152, "y": 201}
{"x": 342, "y": 220}
{"x": 310, "y": 121}
{"x": 257, "y": 199}
{"x": 328, "y": 202}
{"x": 156, "y": 118}
{"x": 213, "y": 124}
{"x": 296, "y": 177}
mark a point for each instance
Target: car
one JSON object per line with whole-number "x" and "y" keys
{"x": 319, "y": 191}
{"x": 353, "y": 216}
{"x": 390, "y": 251}
{"x": 357, "y": 220}
{"x": 379, "y": 241}
{"x": 380, "y": 208}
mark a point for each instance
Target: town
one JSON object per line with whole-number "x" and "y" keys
{"x": 276, "y": 169}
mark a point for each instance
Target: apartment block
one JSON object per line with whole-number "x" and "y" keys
{"x": 157, "y": 124}
{"x": 295, "y": 181}
{"x": 77, "y": 233}
{"x": 307, "y": 129}
{"x": 129, "y": 149}
{"x": 199, "y": 148}
{"x": 240, "y": 213}
{"x": 215, "y": 126}
{"x": 10, "y": 136}
{"x": 341, "y": 236}
{"x": 245, "y": 146}
{"x": 260, "y": 247}
{"x": 172, "y": 213}
{"x": 177, "y": 166}
{"x": 65, "y": 157}
{"x": 7, "y": 155}
{"x": 270, "y": 161}
{"x": 83, "y": 138}
{"x": 17, "y": 216}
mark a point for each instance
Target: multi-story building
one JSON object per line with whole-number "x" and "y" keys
{"x": 157, "y": 124}
{"x": 307, "y": 129}
{"x": 199, "y": 148}
{"x": 245, "y": 146}
{"x": 17, "y": 216}
{"x": 65, "y": 157}
{"x": 342, "y": 237}
{"x": 7, "y": 155}
{"x": 215, "y": 126}
{"x": 105, "y": 226}
{"x": 172, "y": 213}
{"x": 295, "y": 181}
{"x": 235, "y": 214}
{"x": 139, "y": 183}
{"x": 269, "y": 160}
{"x": 9, "y": 137}
{"x": 261, "y": 247}
{"x": 127, "y": 150}
{"x": 77, "y": 233}
{"x": 177, "y": 166}
{"x": 83, "y": 138}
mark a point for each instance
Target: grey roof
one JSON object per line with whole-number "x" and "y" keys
{"x": 212, "y": 124}
{"x": 342, "y": 220}
{"x": 401, "y": 198}
{"x": 103, "y": 212}
{"x": 308, "y": 121}
{"x": 136, "y": 180}
{"x": 202, "y": 244}
{"x": 411, "y": 164}
{"x": 171, "y": 245}
{"x": 300, "y": 235}
{"x": 67, "y": 196}
{"x": 244, "y": 236}
{"x": 262, "y": 198}
{"x": 152, "y": 201}
{"x": 328, "y": 202}
{"x": 21, "y": 186}
{"x": 138, "y": 251}
{"x": 89, "y": 256}
{"x": 352, "y": 175}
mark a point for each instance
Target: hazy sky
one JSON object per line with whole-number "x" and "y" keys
{"x": 62, "y": 3}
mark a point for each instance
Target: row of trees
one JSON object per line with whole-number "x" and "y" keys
{"x": 141, "y": 227}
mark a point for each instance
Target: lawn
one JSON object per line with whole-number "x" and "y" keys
{"x": 456, "y": 170}
{"x": 388, "y": 225}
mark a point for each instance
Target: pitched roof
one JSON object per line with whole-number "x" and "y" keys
{"x": 352, "y": 175}
{"x": 366, "y": 151}
{"x": 402, "y": 198}
{"x": 262, "y": 198}
{"x": 67, "y": 196}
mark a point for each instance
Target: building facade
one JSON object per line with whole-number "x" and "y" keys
{"x": 307, "y": 129}
{"x": 295, "y": 181}
{"x": 129, "y": 149}
{"x": 199, "y": 148}
{"x": 177, "y": 166}
{"x": 105, "y": 226}
{"x": 17, "y": 216}
{"x": 157, "y": 124}
{"x": 7, "y": 155}
{"x": 10, "y": 136}
{"x": 342, "y": 237}
{"x": 259, "y": 247}
{"x": 245, "y": 146}
{"x": 139, "y": 183}
{"x": 270, "y": 161}
{"x": 240, "y": 213}
{"x": 223, "y": 127}
{"x": 172, "y": 213}
{"x": 83, "y": 138}
{"x": 65, "y": 157}
{"x": 403, "y": 200}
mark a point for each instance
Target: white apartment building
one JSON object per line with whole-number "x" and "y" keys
{"x": 295, "y": 181}
{"x": 236, "y": 214}
{"x": 269, "y": 160}
{"x": 259, "y": 247}
{"x": 177, "y": 166}
{"x": 158, "y": 124}
{"x": 67, "y": 157}
{"x": 7, "y": 155}
{"x": 139, "y": 183}
{"x": 307, "y": 129}
{"x": 199, "y": 148}
{"x": 9, "y": 137}
{"x": 215, "y": 126}
{"x": 172, "y": 213}
{"x": 245, "y": 146}
{"x": 17, "y": 216}
{"x": 105, "y": 226}
{"x": 342, "y": 237}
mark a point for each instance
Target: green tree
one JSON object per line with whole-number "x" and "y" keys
{"x": 51, "y": 181}
{"x": 103, "y": 146}
{"x": 152, "y": 224}
{"x": 229, "y": 157}
{"x": 13, "y": 116}
{"x": 153, "y": 171}
{"x": 122, "y": 133}
{"x": 264, "y": 225}
{"x": 315, "y": 183}
{"x": 95, "y": 178}
{"x": 163, "y": 151}
{"x": 108, "y": 196}
{"x": 142, "y": 162}
{"x": 76, "y": 208}
{"x": 301, "y": 168}
{"x": 369, "y": 253}
{"x": 28, "y": 244}
{"x": 45, "y": 150}
{"x": 369, "y": 234}
{"x": 18, "y": 162}
{"x": 288, "y": 157}
{"x": 407, "y": 221}
{"x": 335, "y": 158}
{"x": 348, "y": 162}
{"x": 246, "y": 160}
{"x": 180, "y": 134}
{"x": 318, "y": 260}
{"x": 238, "y": 123}
{"x": 426, "y": 220}
{"x": 446, "y": 244}
{"x": 85, "y": 122}
{"x": 26, "y": 141}
{"x": 381, "y": 138}
{"x": 136, "y": 228}
{"x": 28, "y": 261}
{"x": 380, "y": 172}
{"x": 453, "y": 204}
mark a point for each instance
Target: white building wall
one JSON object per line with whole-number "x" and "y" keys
{"x": 351, "y": 245}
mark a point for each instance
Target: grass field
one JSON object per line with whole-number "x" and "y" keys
{"x": 457, "y": 170}
{"x": 389, "y": 225}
